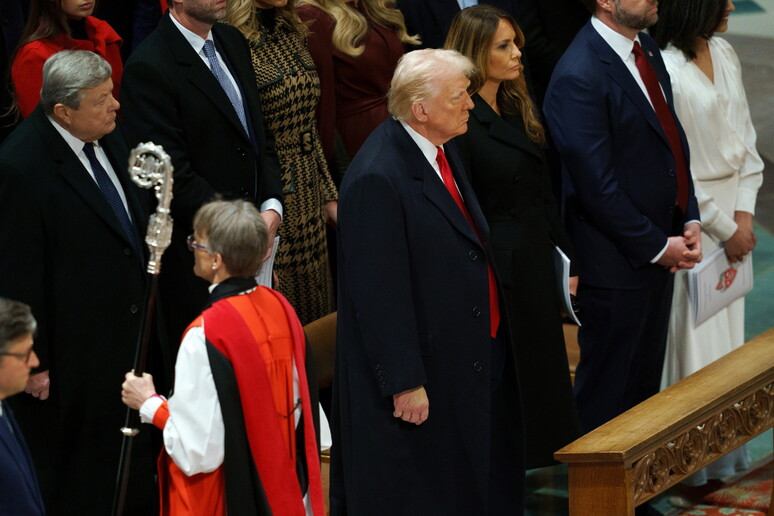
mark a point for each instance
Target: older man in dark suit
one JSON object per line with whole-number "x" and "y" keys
{"x": 630, "y": 207}
{"x": 70, "y": 223}
{"x": 190, "y": 87}
{"x": 426, "y": 407}
{"x": 19, "y": 489}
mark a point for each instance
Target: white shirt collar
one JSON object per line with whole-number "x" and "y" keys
{"x": 193, "y": 39}
{"x": 75, "y": 144}
{"x": 620, "y": 44}
{"x": 429, "y": 150}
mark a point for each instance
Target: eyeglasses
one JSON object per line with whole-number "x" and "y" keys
{"x": 191, "y": 243}
{"x": 23, "y": 356}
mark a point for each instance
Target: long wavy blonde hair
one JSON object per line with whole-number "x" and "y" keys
{"x": 351, "y": 25}
{"x": 242, "y": 15}
{"x": 471, "y": 34}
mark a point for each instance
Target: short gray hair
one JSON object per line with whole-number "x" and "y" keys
{"x": 67, "y": 74}
{"x": 237, "y": 231}
{"x": 417, "y": 77}
{"x": 16, "y": 321}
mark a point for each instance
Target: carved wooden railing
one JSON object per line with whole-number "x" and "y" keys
{"x": 656, "y": 444}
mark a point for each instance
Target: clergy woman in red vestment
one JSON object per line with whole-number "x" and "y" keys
{"x": 355, "y": 45}
{"x": 52, "y": 26}
{"x": 239, "y": 431}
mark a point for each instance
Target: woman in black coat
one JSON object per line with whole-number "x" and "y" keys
{"x": 504, "y": 159}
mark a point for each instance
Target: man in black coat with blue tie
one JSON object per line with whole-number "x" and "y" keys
{"x": 71, "y": 223}
{"x": 19, "y": 491}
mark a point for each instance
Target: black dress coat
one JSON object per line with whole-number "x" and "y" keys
{"x": 170, "y": 97}
{"x": 65, "y": 254}
{"x": 508, "y": 172}
{"x": 413, "y": 311}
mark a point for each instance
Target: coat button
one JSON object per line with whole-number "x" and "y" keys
{"x": 245, "y": 193}
{"x": 671, "y": 172}
{"x": 127, "y": 251}
{"x": 516, "y": 179}
{"x": 133, "y": 309}
{"x": 476, "y": 311}
{"x": 478, "y": 367}
{"x": 473, "y": 255}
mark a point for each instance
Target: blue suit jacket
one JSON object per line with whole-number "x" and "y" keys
{"x": 19, "y": 491}
{"x": 619, "y": 180}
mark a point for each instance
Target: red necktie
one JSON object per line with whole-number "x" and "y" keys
{"x": 667, "y": 121}
{"x": 451, "y": 186}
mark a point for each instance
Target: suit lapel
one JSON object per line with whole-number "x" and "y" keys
{"x": 76, "y": 175}
{"x": 501, "y": 130}
{"x": 116, "y": 150}
{"x": 432, "y": 185}
{"x": 197, "y": 73}
{"x": 468, "y": 195}
{"x": 621, "y": 75}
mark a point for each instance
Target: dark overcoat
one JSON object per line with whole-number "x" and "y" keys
{"x": 170, "y": 97}
{"x": 65, "y": 254}
{"x": 510, "y": 176}
{"x": 413, "y": 310}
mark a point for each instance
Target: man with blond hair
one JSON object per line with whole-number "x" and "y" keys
{"x": 426, "y": 408}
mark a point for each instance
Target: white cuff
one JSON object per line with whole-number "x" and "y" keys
{"x": 745, "y": 200}
{"x": 149, "y": 408}
{"x": 272, "y": 204}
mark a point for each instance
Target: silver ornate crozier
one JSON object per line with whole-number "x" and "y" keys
{"x": 149, "y": 167}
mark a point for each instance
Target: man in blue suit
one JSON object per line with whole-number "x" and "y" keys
{"x": 19, "y": 491}
{"x": 426, "y": 407}
{"x": 628, "y": 198}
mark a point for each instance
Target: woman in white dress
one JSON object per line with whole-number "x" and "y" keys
{"x": 727, "y": 171}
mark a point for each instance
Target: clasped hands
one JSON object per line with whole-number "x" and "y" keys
{"x": 684, "y": 251}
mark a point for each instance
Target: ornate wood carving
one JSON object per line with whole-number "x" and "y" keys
{"x": 670, "y": 462}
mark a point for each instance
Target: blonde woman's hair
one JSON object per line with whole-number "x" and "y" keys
{"x": 351, "y": 25}
{"x": 417, "y": 78}
{"x": 471, "y": 34}
{"x": 242, "y": 15}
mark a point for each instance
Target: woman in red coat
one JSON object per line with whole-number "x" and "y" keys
{"x": 55, "y": 25}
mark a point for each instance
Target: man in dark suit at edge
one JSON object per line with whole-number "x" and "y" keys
{"x": 71, "y": 223}
{"x": 19, "y": 489}
{"x": 425, "y": 382}
{"x": 190, "y": 87}
{"x": 629, "y": 203}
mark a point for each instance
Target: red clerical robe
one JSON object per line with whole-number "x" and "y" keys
{"x": 260, "y": 335}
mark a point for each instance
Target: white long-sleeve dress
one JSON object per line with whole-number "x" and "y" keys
{"x": 727, "y": 173}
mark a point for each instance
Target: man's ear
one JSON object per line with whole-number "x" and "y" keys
{"x": 61, "y": 112}
{"x": 419, "y": 112}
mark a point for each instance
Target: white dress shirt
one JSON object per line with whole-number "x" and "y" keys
{"x": 429, "y": 151}
{"x": 77, "y": 146}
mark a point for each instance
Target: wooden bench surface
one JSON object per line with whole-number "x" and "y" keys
{"x": 684, "y": 405}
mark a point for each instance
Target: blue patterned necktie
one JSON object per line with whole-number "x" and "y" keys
{"x": 111, "y": 195}
{"x": 225, "y": 83}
